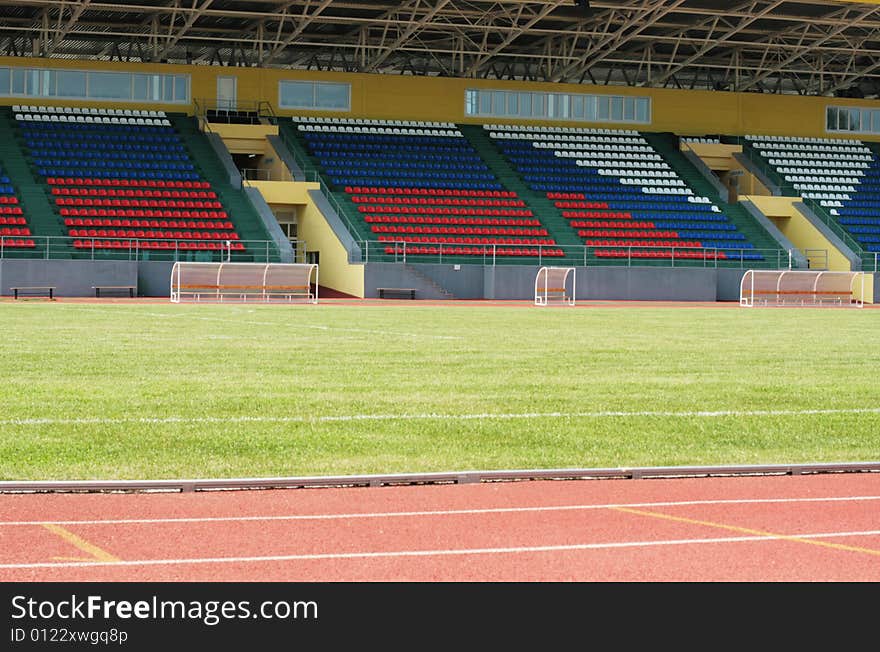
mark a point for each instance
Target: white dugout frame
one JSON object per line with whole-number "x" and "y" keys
{"x": 555, "y": 285}
{"x": 243, "y": 282}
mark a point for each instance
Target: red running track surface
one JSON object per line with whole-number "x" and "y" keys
{"x": 823, "y": 527}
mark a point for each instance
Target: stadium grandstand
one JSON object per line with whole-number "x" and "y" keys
{"x": 361, "y": 291}
{"x": 660, "y": 148}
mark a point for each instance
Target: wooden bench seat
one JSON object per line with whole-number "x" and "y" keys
{"x": 404, "y": 292}
{"x": 245, "y": 291}
{"x": 33, "y": 290}
{"x": 114, "y": 289}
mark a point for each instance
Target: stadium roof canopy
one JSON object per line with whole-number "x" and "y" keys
{"x": 771, "y": 46}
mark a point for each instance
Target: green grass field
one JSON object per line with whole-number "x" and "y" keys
{"x": 134, "y": 391}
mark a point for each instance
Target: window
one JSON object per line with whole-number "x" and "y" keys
{"x": 854, "y": 120}
{"x": 557, "y": 106}
{"x": 94, "y": 85}
{"x": 314, "y": 95}
{"x": 71, "y": 83}
{"x": 333, "y": 96}
{"x": 110, "y": 86}
{"x": 617, "y": 109}
{"x": 643, "y": 110}
{"x": 525, "y": 104}
{"x": 18, "y": 81}
{"x": 602, "y": 111}
{"x": 577, "y": 107}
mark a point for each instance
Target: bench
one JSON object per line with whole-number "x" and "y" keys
{"x": 843, "y": 296}
{"x": 404, "y": 292}
{"x": 114, "y": 289}
{"x": 244, "y": 292}
{"x": 33, "y": 290}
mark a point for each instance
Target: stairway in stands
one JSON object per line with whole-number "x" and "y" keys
{"x": 32, "y": 192}
{"x": 550, "y": 216}
{"x": 667, "y": 145}
{"x": 245, "y": 217}
{"x": 422, "y": 190}
{"x": 295, "y": 141}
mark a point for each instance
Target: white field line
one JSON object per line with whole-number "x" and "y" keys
{"x": 433, "y": 553}
{"x": 437, "y": 513}
{"x": 695, "y": 414}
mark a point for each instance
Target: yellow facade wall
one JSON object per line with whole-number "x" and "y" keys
{"x": 246, "y": 139}
{"x": 334, "y": 270}
{"x": 798, "y": 229}
{"x": 719, "y": 157}
{"x": 442, "y": 99}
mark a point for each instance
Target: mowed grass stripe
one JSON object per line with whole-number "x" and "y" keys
{"x": 267, "y": 390}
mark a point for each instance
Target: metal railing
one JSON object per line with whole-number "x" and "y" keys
{"x": 262, "y": 108}
{"x": 869, "y": 259}
{"x": 772, "y": 258}
{"x": 575, "y": 255}
{"x": 314, "y": 176}
{"x": 135, "y": 249}
{"x": 265, "y": 174}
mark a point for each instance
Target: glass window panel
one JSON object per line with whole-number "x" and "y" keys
{"x": 498, "y": 100}
{"x": 485, "y": 103}
{"x": 875, "y": 121}
{"x": 854, "y": 119}
{"x": 71, "y": 83}
{"x": 617, "y": 108}
{"x": 511, "y": 104}
{"x": 180, "y": 93}
{"x": 865, "y": 122}
{"x": 525, "y": 105}
{"x": 47, "y": 82}
{"x": 140, "y": 87}
{"x": 110, "y": 85}
{"x": 333, "y": 96}
{"x": 643, "y": 109}
{"x": 629, "y": 109}
{"x": 602, "y": 108}
{"x": 539, "y": 109}
{"x": 167, "y": 89}
{"x": 18, "y": 81}
{"x": 560, "y": 106}
{"x": 831, "y": 118}
{"x": 156, "y": 88}
{"x": 297, "y": 95}
{"x": 32, "y": 81}
{"x": 470, "y": 102}
{"x": 5, "y": 78}
{"x": 577, "y": 107}
{"x": 590, "y": 104}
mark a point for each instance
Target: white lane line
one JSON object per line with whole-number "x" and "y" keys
{"x": 703, "y": 414}
{"x": 432, "y": 553}
{"x": 445, "y": 512}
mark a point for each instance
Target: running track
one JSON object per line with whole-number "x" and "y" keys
{"x": 822, "y": 527}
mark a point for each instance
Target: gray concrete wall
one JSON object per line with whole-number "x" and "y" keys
{"x": 504, "y": 282}
{"x": 647, "y": 284}
{"x": 729, "y": 282}
{"x": 508, "y": 282}
{"x": 429, "y": 281}
{"x": 154, "y": 279}
{"x": 72, "y": 278}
